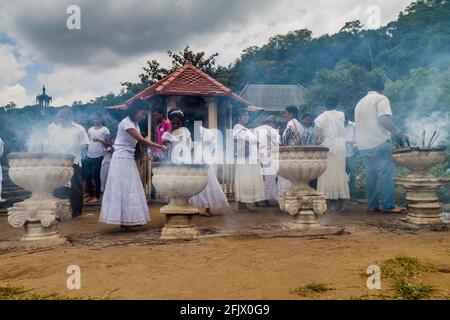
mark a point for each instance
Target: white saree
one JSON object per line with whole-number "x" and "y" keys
{"x": 333, "y": 183}
{"x": 249, "y": 184}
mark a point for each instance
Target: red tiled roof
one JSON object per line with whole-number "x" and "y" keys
{"x": 186, "y": 81}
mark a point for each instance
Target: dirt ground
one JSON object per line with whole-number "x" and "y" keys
{"x": 117, "y": 265}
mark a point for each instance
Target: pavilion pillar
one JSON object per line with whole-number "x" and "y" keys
{"x": 211, "y": 103}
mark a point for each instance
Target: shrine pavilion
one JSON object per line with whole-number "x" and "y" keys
{"x": 193, "y": 91}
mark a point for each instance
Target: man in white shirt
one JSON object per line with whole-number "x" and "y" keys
{"x": 99, "y": 137}
{"x": 2, "y": 148}
{"x": 65, "y": 136}
{"x": 374, "y": 127}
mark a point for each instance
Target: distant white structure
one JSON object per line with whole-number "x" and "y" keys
{"x": 43, "y": 101}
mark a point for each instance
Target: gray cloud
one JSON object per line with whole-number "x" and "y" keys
{"x": 118, "y": 36}
{"x": 118, "y": 29}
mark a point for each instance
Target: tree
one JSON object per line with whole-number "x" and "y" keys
{"x": 11, "y": 105}
{"x": 352, "y": 27}
{"x": 425, "y": 91}
{"x": 153, "y": 71}
{"x": 346, "y": 82}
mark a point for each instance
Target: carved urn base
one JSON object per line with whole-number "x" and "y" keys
{"x": 39, "y": 219}
{"x": 424, "y": 208}
{"x": 300, "y": 164}
{"x": 304, "y": 206}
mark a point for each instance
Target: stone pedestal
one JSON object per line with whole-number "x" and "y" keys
{"x": 39, "y": 218}
{"x": 424, "y": 208}
{"x": 41, "y": 173}
{"x": 301, "y": 164}
{"x": 179, "y": 182}
{"x": 304, "y": 207}
{"x": 179, "y": 220}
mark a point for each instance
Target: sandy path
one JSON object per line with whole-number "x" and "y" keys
{"x": 222, "y": 268}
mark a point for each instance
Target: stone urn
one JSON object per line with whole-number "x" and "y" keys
{"x": 299, "y": 165}
{"x": 424, "y": 208}
{"x": 179, "y": 182}
{"x": 40, "y": 173}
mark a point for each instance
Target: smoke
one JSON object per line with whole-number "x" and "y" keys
{"x": 438, "y": 121}
{"x": 38, "y": 140}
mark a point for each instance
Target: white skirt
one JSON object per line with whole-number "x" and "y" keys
{"x": 249, "y": 184}
{"x": 104, "y": 174}
{"x": 212, "y": 196}
{"x": 124, "y": 201}
{"x": 270, "y": 187}
{"x": 333, "y": 183}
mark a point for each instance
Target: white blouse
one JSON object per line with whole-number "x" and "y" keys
{"x": 125, "y": 143}
{"x": 181, "y": 145}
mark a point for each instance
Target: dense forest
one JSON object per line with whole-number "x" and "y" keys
{"x": 412, "y": 53}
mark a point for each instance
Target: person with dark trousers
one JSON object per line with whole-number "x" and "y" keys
{"x": 99, "y": 137}
{"x": 374, "y": 128}
{"x": 65, "y": 136}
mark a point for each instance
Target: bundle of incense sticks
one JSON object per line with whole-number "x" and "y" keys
{"x": 427, "y": 140}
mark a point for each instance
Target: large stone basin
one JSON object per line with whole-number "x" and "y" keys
{"x": 40, "y": 173}
{"x": 179, "y": 182}
{"x": 419, "y": 160}
{"x": 424, "y": 208}
{"x": 301, "y": 164}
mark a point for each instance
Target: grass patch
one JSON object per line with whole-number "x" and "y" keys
{"x": 401, "y": 267}
{"x": 20, "y": 293}
{"x": 410, "y": 290}
{"x": 312, "y": 288}
{"x": 405, "y": 271}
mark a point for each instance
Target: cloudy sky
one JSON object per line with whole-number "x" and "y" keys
{"x": 116, "y": 38}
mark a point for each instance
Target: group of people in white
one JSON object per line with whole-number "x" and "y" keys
{"x": 110, "y": 168}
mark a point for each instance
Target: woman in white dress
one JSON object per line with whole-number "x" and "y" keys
{"x": 249, "y": 184}
{"x": 212, "y": 197}
{"x": 178, "y": 139}
{"x": 124, "y": 201}
{"x": 333, "y": 183}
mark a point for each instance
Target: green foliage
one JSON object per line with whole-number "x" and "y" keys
{"x": 425, "y": 90}
{"x": 19, "y": 293}
{"x": 347, "y": 82}
{"x": 409, "y": 290}
{"x": 418, "y": 38}
{"x": 405, "y": 272}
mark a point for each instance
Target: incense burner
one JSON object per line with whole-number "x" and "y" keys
{"x": 299, "y": 165}
{"x": 424, "y": 208}
{"x": 419, "y": 160}
{"x": 179, "y": 183}
{"x": 40, "y": 173}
